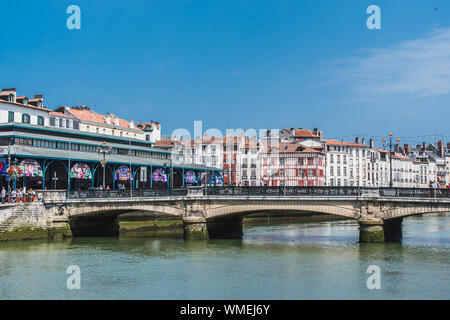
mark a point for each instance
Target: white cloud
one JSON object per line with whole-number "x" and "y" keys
{"x": 413, "y": 68}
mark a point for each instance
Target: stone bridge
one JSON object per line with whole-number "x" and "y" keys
{"x": 208, "y": 214}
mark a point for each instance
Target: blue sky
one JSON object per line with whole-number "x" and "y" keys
{"x": 239, "y": 64}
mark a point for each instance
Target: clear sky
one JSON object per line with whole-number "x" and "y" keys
{"x": 239, "y": 63}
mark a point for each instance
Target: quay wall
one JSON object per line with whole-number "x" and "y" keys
{"x": 28, "y": 221}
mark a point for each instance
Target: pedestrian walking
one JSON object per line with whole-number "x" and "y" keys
{"x": 3, "y": 195}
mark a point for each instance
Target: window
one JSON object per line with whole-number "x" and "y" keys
{"x": 11, "y": 116}
{"x": 40, "y": 120}
{"x": 25, "y": 118}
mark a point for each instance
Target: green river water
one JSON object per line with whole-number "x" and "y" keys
{"x": 316, "y": 260}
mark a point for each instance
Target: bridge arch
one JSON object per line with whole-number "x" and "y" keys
{"x": 244, "y": 209}
{"x": 121, "y": 208}
{"x": 407, "y": 211}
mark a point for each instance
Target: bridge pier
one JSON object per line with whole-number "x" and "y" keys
{"x": 371, "y": 230}
{"x": 198, "y": 228}
{"x": 195, "y": 228}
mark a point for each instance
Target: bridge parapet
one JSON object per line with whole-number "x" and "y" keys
{"x": 197, "y": 191}
{"x": 51, "y": 195}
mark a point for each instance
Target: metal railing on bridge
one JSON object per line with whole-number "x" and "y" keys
{"x": 266, "y": 191}
{"x": 330, "y": 191}
{"x": 163, "y": 192}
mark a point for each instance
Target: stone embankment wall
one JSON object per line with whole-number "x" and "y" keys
{"x": 26, "y": 221}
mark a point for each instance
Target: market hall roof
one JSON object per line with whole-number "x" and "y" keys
{"x": 95, "y": 143}
{"x": 80, "y": 156}
{"x": 88, "y": 115}
{"x": 65, "y": 131}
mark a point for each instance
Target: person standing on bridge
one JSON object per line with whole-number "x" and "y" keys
{"x": 3, "y": 195}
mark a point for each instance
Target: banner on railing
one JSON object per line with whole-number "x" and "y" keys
{"x": 3, "y": 167}
{"x": 159, "y": 175}
{"x": 190, "y": 177}
{"x": 31, "y": 168}
{"x": 80, "y": 171}
{"x": 123, "y": 173}
{"x": 217, "y": 179}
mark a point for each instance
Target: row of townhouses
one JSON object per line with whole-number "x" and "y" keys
{"x": 63, "y": 148}
{"x": 301, "y": 157}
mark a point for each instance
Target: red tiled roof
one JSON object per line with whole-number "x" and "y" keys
{"x": 344, "y": 143}
{"x": 26, "y": 105}
{"x": 400, "y": 156}
{"x": 304, "y": 133}
{"x": 164, "y": 143}
{"x": 89, "y": 115}
{"x": 289, "y": 147}
{"x": 60, "y": 114}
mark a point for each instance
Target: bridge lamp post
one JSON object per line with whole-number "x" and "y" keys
{"x": 389, "y": 144}
{"x": 103, "y": 150}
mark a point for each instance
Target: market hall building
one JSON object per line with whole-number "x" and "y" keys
{"x": 65, "y": 149}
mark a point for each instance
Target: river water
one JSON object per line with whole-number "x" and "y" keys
{"x": 317, "y": 260}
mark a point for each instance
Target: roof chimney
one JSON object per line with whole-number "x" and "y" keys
{"x": 316, "y": 131}
{"x": 116, "y": 120}
{"x": 440, "y": 146}
{"x": 108, "y": 118}
{"x": 407, "y": 149}
{"x": 371, "y": 143}
{"x": 363, "y": 140}
{"x": 131, "y": 123}
{"x": 357, "y": 140}
{"x": 396, "y": 148}
{"x": 37, "y": 101}
{"x": 424, "y": 146}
